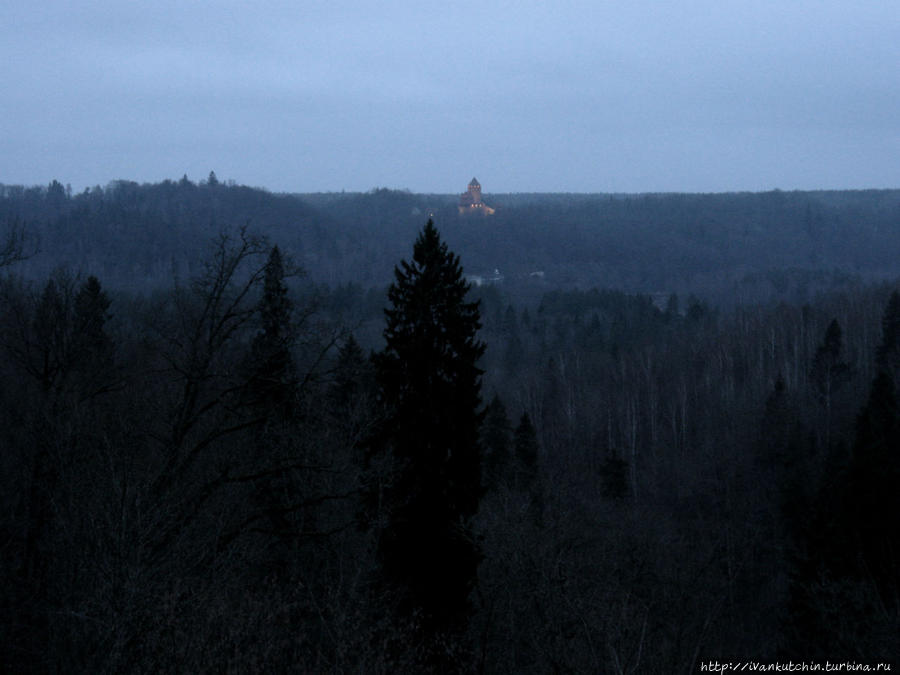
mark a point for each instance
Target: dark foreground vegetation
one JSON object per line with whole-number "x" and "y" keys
{"x": 251, "y": 470}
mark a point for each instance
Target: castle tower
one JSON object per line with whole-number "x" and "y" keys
{"x": 475, "y": 190}
{"x": 470, "y": 200}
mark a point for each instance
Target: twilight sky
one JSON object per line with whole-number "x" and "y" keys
{"x": 302, "y": 95}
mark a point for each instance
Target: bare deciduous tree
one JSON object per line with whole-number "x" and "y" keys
{"x": 16, "y": 245}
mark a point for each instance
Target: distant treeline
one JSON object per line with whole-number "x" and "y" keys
{"x": 724, "y": 247}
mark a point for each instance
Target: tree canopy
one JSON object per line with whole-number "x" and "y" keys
{"x": 430, "y": 385}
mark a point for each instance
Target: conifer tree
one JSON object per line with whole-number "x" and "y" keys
{"x": 271, "y": 398}
{"x": 430, "y": 386}
{"x": 273, "y": 380}
{"x": 850, "y": 540}
{"x": 350, "y": 396}
{"x": 91, "y": 305}
{"x": 350, "y": 375}
{"x": 49, "y": 328}
{"x": 526, "y": 447}
{"x": 92, "y": 349}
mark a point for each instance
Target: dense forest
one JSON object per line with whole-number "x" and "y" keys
{"x": 234, "y": 440}
{"x": 726, "y": 248}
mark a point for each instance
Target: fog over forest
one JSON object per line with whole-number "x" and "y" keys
{"x": 390, "y": 432}
{"x": 729, "y": 247}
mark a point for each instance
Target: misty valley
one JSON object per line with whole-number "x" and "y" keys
{"x": 389, "y": 432}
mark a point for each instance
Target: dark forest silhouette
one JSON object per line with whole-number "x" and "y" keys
{"x": 247, "y": 468}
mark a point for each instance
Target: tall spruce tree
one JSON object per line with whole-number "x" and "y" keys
{"x": 430, "y": 386}
{"x": 91, "y": 347}
{"x": 273, "y": 380}
{"x": 91, "y": 307}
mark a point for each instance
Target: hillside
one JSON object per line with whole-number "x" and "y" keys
{"x": 725, "y": 247}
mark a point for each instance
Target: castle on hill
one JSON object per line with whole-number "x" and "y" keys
{"x": 470, "y": 201}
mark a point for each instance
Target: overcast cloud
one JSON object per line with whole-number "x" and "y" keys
{"x": 564, "y": 96}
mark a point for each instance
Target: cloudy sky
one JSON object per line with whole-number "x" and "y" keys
{"x": 302, "y": 95}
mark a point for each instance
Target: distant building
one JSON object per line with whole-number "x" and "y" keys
{"x": 470, "y": 201}
{"x": 485, "y": 279}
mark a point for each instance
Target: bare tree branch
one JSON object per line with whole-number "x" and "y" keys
{"x": 16, "y": 245}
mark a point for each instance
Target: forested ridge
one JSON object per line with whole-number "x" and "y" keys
{"x": 220, "y": 453}
{"x": 744, "y": 247}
